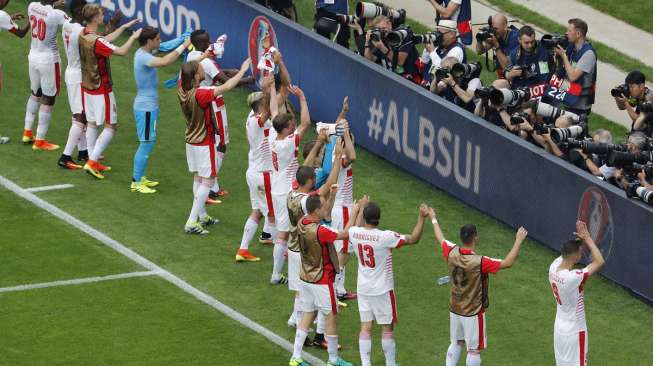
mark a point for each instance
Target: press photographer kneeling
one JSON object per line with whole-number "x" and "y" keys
{"x": 457, "y": 82}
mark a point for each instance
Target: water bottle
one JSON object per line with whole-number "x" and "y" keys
{"x": 443, "y": 280}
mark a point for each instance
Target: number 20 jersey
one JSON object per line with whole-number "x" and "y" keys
{"x": 373, "y": 247}
{"x": 44, "y": 21}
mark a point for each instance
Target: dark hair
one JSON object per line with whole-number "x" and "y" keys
{"x": 527, "y": 30}
{"x": 635, "y": 77}
{"x": 281, "y": 121}
{"x": 468, "y": 233}
{"x": 304, "y": 174}
{"x": 313, "y": 203}
{"x": 200, "y": 39}
{"x": 147, "y": 33}
{"x": 579, "y": 25}
{"x": 570, "y": 247}
{"x": 188, "y": 71}
{"x": 90, "y": 11}
{"x": 76, "y": 7}
{"x": 372, "y": 213}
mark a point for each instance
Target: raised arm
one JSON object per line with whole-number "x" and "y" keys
{"x": 445, "y": 12}
{"x": 335, "y": 170}
{"x": 111, "y": 37}
{"x": 350, "y": 149}
{"x": 344, "y": 234}
{"x": 20, "y": 32}
{"x": 510, "y": 259}
{"x": 414, "y": 237}
{"x": 233, "y": 82}
{"x": 343, "y": 112}
{"x": 170, "y": 57}
{"x": 124, "y": 49}
{"x": 322, "y": 139}
{"x": 284, "y": 75}
{"x": 305, "y": 117}
{"x": 436, "y": 227}
{"x": 597, "y": 258}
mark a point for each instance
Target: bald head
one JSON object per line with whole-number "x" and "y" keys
{"x": 501, "y": 84}
{"x": 500, "y": 23}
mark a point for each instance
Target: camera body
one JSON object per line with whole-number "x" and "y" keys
{"x": 620, "y": 90}
{"x": 377, "y": 35}
{"x": 442, "y": 73}
{"x": 646, "y": 107}
{"x": 434, "y": 38}
{"x": 508, "y": 97}
{"x": 593, "y": 147}
{"x": 466, "y": 71}
{"x": 485, "y": 33}
{"x": 551, "y": 41}
{"x": 398, "y": 36}
{"x": 483, "y": 92}
{"x": 519, "y": 118}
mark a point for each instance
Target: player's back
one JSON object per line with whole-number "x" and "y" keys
{"x": 345, "y": 193}
{"x": 373, "y": 247}
{"x": 45, "y": 22}
{"x": 70, "y": 33}
{"x": 210, "y": 67}
{"x": 567, "y": 286}
{"x": 259, "y": 145}
{"x": 284, "y": 162}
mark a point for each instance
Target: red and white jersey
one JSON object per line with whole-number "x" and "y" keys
{"x": 258, "y": 131}
{"x": 45, "y": 21}
{"x": 345, "y": 193}
{"x": 488, "y": 264}
{"x": 70, "y": 36}
{"x": 6, "y": 22}
{"x": 374, "y": 251}
{"x": 567, "y": 286}
{"x": 284, "y": 163}
{"x": 211, "y": 68}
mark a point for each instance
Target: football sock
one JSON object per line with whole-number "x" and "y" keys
{"x": 365, "y": 348}
{"x": 45, "y": 114}
{"x": 332, "y": 347}
{"x": 81, "y": 145}
{"x": 102, "y": 143}
{"x": 266, "y": 225}
{"x": 453, "y": 354}
{"x": 473, "y": 359}
{"x": 297, "y": 309}
{"x": 388, "y": 345}
{"x": 340, "y": 282}
{"x": 91, "y": 137}
{"x": 272, "y": 230}
{"x": 31, "y": 111}
{"x": 251, "y": 226}
{"x": 300, "y": 338}
{"x": 76, "y": 130}
{"x": 219, "y": 157}
{"x": 196, "y": 185}
{"x": 278, "y": 254}
{"x": 140, "y": 159}
{"x": 321, "y": 324}
{"x": 198, "y": 203}
{"x": 216, "y": 186}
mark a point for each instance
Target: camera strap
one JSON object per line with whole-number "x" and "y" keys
{"x": 395, "y": 58}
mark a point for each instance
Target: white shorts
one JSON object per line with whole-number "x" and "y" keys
{"x": 260, "y": 191}
{"x": 381, "y": 308}
{"x": 75, "y": 98}
{"x": 45, "y": 76}
{"x": 280, "y": 205}
{"x": 314, "y": 297}
{"x": 100, "y": 108}
{"x": 201, "y": 160}
{"x": 294, "y": 265}
{"x": 570, "y": 349}
{"x": 223, "y": 125}
{"x": 339, "y": 219}
{"x": 472, "y": 329}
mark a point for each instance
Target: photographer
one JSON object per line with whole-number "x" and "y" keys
{"x": 402, "y": 59}
{"x": 574, "y": 86}
{"x": 624, "y": 174}
{"x": 530, "y": 64}
{"x": 457, "y": 82}
{"x": 446, "y": 45}
{"x": 499, "y": 37}
{"x": 594, "y": 163}
{"x": 631, "y": 95}
{"x": 331, "y": 9}
{"x": 497, "y": 115}
{"x": 460, "y": 11}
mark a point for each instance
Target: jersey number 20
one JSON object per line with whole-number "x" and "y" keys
{"x": 38, "y": 28}
{"x": 366, "y": 255}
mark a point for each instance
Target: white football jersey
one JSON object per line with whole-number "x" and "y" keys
{"x": 258, "y": 131}
{"x": 374, "y": 251}
{"x": 5, "y": 21}
{"x": 568, "y": 292}
{"x": 45, "y": 21}
{"x": 345, "y": 193}
{"x": 70, "y": 36}
{"x": 284, "y": 163}
{"x": 211, "y": 69}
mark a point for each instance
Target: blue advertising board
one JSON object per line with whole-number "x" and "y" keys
{"x": 446, "y": 146}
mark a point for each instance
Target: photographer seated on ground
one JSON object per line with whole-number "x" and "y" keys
{"x": 593, "y": 162}
{"x": 497, "y": 115}
{"x": 402, "y": 59}
{"x": 530, "y": 64}
{"x": 457, "y": 83}
{"x": 446, "y": 45}
{"x": 632, "y": 96}
{"x": 500, "y": 37}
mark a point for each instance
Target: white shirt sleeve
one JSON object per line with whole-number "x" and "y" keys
{"x": 6, "y": 22}
{"x": 473, "y": 85}
{"x": 392, "y": 239}
{"x": 61, "y": 17}
{"x": 210, "y": 68}
{"x": 456, "y": 52}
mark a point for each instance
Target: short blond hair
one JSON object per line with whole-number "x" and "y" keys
{"x": 90, "y": 11}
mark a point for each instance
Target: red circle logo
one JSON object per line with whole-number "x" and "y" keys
{"x": 260, "y": 29}
{"x": 594, "y": 210}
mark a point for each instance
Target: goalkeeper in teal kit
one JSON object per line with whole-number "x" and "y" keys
{"x": 146, "y": 103}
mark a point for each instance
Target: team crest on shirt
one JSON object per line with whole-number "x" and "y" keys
{"x": 262, "y": 38}
{"x": 594, "y": 210}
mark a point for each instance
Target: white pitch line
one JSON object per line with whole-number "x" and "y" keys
{"x": 170, "y": 277}
{"x": 49, "y": 188}
{"x": 78, "y": 281}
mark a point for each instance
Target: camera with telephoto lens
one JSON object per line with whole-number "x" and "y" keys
{"x": 558, "y": 135}
{"x": 541, "y": 128}
{"x": 508, "y": 97}
{"x": 634, "y": 189}
{"x": 483, "y": 92}
{"x": 620, "y": 90}
{"x": 519, "y": 118}
{"x": 646, "y": 168}
{"x": 593, "y": 147}
{"x": 466, "y": 71}
{"x": 621, "y": 159}
{"x": 398, "y": 36}
{"x": 551, "y": 41}
{"x": 485, "y": 33}
{"x": 550, "y": 112}
{"x": 371, "y": 10}
{"x": 646, "y": 107}
{"x": 442, "y": 73}
{"x": 377, "y": 35}
{"x": 434, "y": 38}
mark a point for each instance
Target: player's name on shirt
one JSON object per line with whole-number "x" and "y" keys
{"x": 365, "y": 236}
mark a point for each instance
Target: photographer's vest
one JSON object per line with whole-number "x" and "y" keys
{"x": 450, "y": 95}
{"x": 469, "y": 286}
{"x": 577, "y": 95}
{"x": 295, "y": 213}
{"x": 544, "y": 64}
{"x": 442, "y": 52}
{"x": 91, "y": 63}
{"x": 312, "y": 255}
{"x": 507, "y": 46}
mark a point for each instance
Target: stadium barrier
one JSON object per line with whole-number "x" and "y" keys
{"x": 446, "y": 146}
